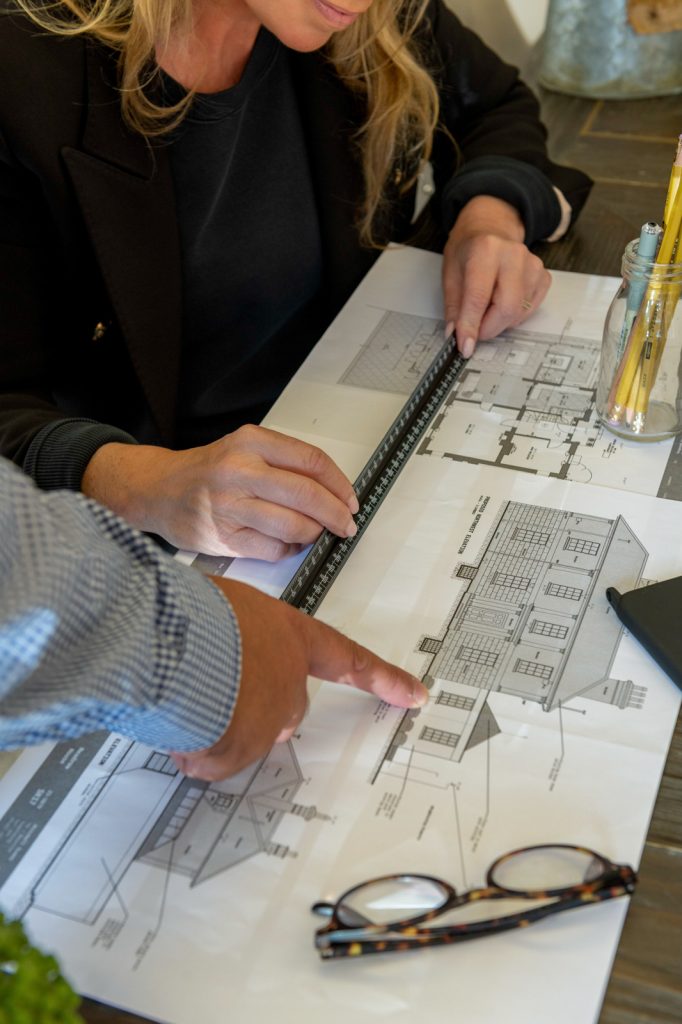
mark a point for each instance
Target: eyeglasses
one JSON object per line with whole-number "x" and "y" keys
{"x": 383, "y": 915}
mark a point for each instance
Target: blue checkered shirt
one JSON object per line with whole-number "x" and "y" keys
{"x": 99, "y": 629}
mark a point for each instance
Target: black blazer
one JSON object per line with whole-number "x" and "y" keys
{"x": 90, "y": 269}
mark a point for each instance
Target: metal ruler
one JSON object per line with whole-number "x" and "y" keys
{"x": 327, "y": 556}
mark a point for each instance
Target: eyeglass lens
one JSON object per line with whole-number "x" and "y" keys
{"x": 391, "y": 899}
{"x": 546, "y": 868}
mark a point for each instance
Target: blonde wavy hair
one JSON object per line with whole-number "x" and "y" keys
{"x": 377, "y": 57}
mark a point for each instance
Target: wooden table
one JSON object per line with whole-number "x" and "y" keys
{"x": 628, "y": 148}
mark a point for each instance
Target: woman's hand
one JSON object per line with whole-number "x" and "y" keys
{"x": 281, "y": 647}
{"x": 254, "y": 493}
{"x": 490, "y": 278}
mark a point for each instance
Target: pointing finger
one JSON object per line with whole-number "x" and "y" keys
{"x": 337, "y": 658}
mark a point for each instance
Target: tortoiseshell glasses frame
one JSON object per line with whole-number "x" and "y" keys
{"x": 350, "y": 933}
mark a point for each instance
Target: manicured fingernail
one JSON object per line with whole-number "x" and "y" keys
{"x": 420, "y": 694}
{"x": 468, "y": 346}
{"x": 449, "y": 328}
{"x": 354, "y": 505}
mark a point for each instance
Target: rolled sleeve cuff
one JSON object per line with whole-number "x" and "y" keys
{"x": 60, "y": 452}
{"x": 520, "y": 184}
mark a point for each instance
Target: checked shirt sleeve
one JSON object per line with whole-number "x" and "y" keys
{"x": 99, "y": 629}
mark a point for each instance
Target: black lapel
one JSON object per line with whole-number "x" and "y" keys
{"x": 125, "y": 191}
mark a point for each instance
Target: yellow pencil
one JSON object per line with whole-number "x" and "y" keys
{"x": 632, "y": 398}
{"x": 673, "y": 212}
{"x": 674, "y": 183}
{"x": 671, "y": 231}
{"x": 619, "y": 396}
{"x": 653, "y": 344}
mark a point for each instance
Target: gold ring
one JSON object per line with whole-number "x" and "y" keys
{"x": 526, "y": 304}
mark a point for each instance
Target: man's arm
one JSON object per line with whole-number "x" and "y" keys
{"x": 99, "y": 629}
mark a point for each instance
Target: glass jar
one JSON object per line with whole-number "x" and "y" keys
{"x": 639, "y": 394}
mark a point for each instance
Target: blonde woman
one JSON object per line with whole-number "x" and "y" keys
{"x": 190, "y": 189}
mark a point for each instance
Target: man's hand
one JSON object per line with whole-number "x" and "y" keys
{"x": 491, "y": 281}
{"x": 254, "y": 493}
{"x": 281, "y": 647}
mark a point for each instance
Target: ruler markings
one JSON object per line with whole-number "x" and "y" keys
{"x": 309, "y": 586}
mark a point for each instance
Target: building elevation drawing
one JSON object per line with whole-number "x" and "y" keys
{"x": 178, "y": 824}
{"x": 533, "y": 622}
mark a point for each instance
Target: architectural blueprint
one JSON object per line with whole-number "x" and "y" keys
{"x": 524, "y": 401}
{"x": 534, "y": 623}
{"x": 179, "y": 825}
{"x": 493, "y": 592}
{"x": 185, "y": 901}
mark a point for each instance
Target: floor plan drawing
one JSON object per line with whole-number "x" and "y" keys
{"x": 533, "y": 622}
{"x": 524, "y": 401}
{"x": 182, "y": 825}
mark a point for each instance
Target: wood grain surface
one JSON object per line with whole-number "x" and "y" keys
{"x": 628, "y": 148}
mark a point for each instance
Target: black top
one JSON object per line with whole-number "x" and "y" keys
{"x": 250, "y": 243}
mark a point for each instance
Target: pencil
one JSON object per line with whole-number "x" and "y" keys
{"x": 674, "y": 183}
{"x": 649, "y": 238}
{"x": 632, "y": 398}
{"x": 653, "y": 344}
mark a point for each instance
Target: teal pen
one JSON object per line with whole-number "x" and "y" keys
{"x": 649, "y": 238}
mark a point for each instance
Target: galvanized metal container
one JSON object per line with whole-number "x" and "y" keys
{"x": 590, "y": 49}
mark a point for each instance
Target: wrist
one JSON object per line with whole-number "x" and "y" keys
{"x": 489, "y": 215}
{"x": 125, "y": 478}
